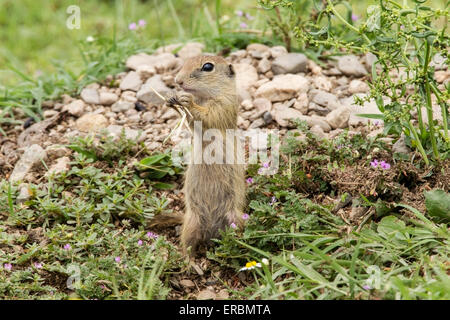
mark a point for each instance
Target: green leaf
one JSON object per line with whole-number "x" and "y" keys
{"x": 390, "y": 225}
{"x": 371, "y": 115}
{"x": 152, "y": 159}
{"x": 381, "y": 209}
{"x": 163, "y": 186}
{"x": 86, "y": 153}
{"x": 437, "y": 203}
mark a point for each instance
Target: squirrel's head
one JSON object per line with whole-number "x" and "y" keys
{"x": 207, "y": 77}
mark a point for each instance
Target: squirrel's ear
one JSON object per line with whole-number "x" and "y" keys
{"x": 231, "y": 70}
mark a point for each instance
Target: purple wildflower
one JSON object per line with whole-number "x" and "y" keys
{"x": 355, "y": 17}
{"x": 132, "y": 26}
{"x": 152, "y": 235}
{"x": 272, "y": 201}
{"x": 239, "y": 13}
{"x": 243, "y": 25}
{"x": 374, "y": 163}
{"x": 376, "y": 123}
{"x": 38, "y": 265}
{"x": 117, "y": 259}
{"x": 266, "y": 165}
{"x": 385, "y": 165}
{"x": 7, "y": 266}
{"x": 248, "y": 16}
{"x": 367, "y": 287}
{"x": 249, "y": 180}
{"x": 139, "y": 243}
{"x": 233, "y": 225}
{"x": 245, "y": 216}
{"x": 67, "y": 247}
{"x": 142, "y": 23}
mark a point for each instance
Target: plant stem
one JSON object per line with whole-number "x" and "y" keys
{"x": 444, "y": 109}
{"x": 419, "y": 144}
{"x": 159, "y": 22}
{"x": 428, "y": 100}
{"x": 333, "y": 9}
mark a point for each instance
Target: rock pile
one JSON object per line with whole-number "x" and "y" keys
{"x": 274, "y": 87}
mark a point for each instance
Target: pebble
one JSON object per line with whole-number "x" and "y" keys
{"x": 338, "y": 118}
{"x": 132, "y": 81}
{"x": 24, "y": 193}
{"x": 283, "y": 87}
{"x": 277, "y": 51}
{"x": 290, "y": 63}
{"x": 90, "y": 96}
{"x": 325, "y": 99}
{"x": 351, "y": 66}
{"x": 246, "y": 76}
{"x": 115, "y": 131}
{"x": 318, "y": 131}
{"x": 122, "y": 106}
{"x": 283, "y": 115}
{"x": 147, "y": 95}
{"x": 32, "y": 156}
{"x": 163, "y": 61}
{"x": 191, "y": 49}
{"x": 91, "y": 122}
{"x": 400, "y": 146}
{"x": 75, "y": 108}
{"x": 206, "y": 294}
{"x": 357, "y": 86}
{"x": 108, "y": 98}
{"x": 61, "y": 165}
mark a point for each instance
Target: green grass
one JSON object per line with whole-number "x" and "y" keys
{"x": 100, "y": 208}
{"x": 45, "y": 39}
{"x": 314, "y": 253}
{"x": 84, "y": 219}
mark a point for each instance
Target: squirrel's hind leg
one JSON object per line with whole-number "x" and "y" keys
{"x": 190, "y": 232}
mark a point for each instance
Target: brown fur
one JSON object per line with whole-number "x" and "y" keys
{"x": 214, "y": 193}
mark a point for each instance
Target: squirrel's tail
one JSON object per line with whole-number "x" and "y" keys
{"x": 166, "y": 220}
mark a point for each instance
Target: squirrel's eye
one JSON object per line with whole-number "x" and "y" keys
{"x": 208, "y": 67}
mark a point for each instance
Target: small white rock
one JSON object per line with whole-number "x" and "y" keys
{"x": 75, "y": 108}
{"x": 32, "y": 156}
{"x": 338, "y": 118}
{"x": 91, "y": 122}
{"x": 357, "y": 86}
{"x": 90, "y": 95}
{"x": 122, "y": 106}
{"x": 132, "y": 81}
{"x": 108, "y": 98}
{"x": 61, "y": 165}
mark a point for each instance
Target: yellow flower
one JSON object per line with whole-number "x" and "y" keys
{"x": 250, "y": 265}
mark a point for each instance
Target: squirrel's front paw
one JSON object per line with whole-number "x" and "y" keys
{"x": 183, "y": 99}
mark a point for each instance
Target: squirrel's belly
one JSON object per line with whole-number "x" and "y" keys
{"x": 211, "y": 189}
{"x": 211, "y": 195}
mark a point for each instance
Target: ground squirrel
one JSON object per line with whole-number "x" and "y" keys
{"x": 214, "y": 193}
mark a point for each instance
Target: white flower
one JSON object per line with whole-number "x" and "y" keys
{"x": 265, "y": 261}
{"x": 90, "y": 39}
{"x": 250, "y": 265}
